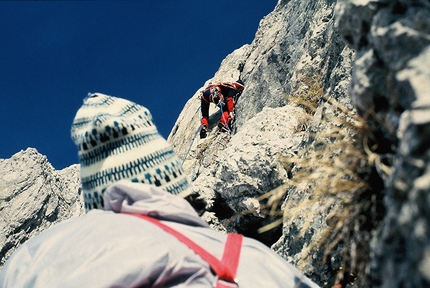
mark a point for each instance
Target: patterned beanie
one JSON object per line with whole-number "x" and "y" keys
{"x": 117, "y": 140}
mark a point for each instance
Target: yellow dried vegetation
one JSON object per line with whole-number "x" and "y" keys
{"x": 330, "y": 178}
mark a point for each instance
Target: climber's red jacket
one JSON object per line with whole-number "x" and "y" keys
{"x": 228, "y": 90}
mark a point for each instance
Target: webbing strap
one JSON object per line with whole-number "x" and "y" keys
{"x": 226, "y": 268}
{"x": 230, "y": 257}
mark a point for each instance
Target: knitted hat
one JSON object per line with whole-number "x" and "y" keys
{"x": 117, "y": 140}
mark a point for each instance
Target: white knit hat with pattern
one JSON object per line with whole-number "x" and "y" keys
{"x": 117, "y": 139}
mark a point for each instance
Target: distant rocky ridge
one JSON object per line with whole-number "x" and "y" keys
{"x": 34, "y": 196}
{"x": 373, "y": 55}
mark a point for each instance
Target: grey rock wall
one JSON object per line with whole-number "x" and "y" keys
{"x": 391, "y": 85}
{"x": 245, "y": 168}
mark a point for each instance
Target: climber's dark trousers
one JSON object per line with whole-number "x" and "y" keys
{"x": 204, "y": 108}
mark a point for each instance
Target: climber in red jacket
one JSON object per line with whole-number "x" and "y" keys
{"x": 223, "y": 95}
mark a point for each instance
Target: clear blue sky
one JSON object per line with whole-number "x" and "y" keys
{"x": 154, "y": 52}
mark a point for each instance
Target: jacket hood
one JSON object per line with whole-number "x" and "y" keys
{"x": 128, "y": 197}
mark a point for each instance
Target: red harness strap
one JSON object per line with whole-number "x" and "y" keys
{"x": 226, "y": 268}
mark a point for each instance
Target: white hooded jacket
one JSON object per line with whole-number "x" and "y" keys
{"x": 110, "y": 249}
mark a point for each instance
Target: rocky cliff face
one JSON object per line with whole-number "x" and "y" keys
{"x": 294, "y": 45}
{"x": 391, "y": 85}
{"x": 34, "y": 196}
{"x": 306, "y": 55}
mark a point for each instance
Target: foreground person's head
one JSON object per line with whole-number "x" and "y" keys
{"x": 117, "y": 140}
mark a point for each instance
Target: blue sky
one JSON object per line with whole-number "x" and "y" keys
{"x": 155, "y": 52}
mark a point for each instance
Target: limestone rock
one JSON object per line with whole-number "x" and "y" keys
{"x": 235, "y": 171}
{"x": 34, "y": 196}
{"x": 391, "y": 84}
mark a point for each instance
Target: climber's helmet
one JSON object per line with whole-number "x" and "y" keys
{"x": 239, "y": 85}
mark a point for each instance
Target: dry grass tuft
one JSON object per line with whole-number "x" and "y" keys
{"x": 331, "y": 176}
{"x": 201, "y": 150}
